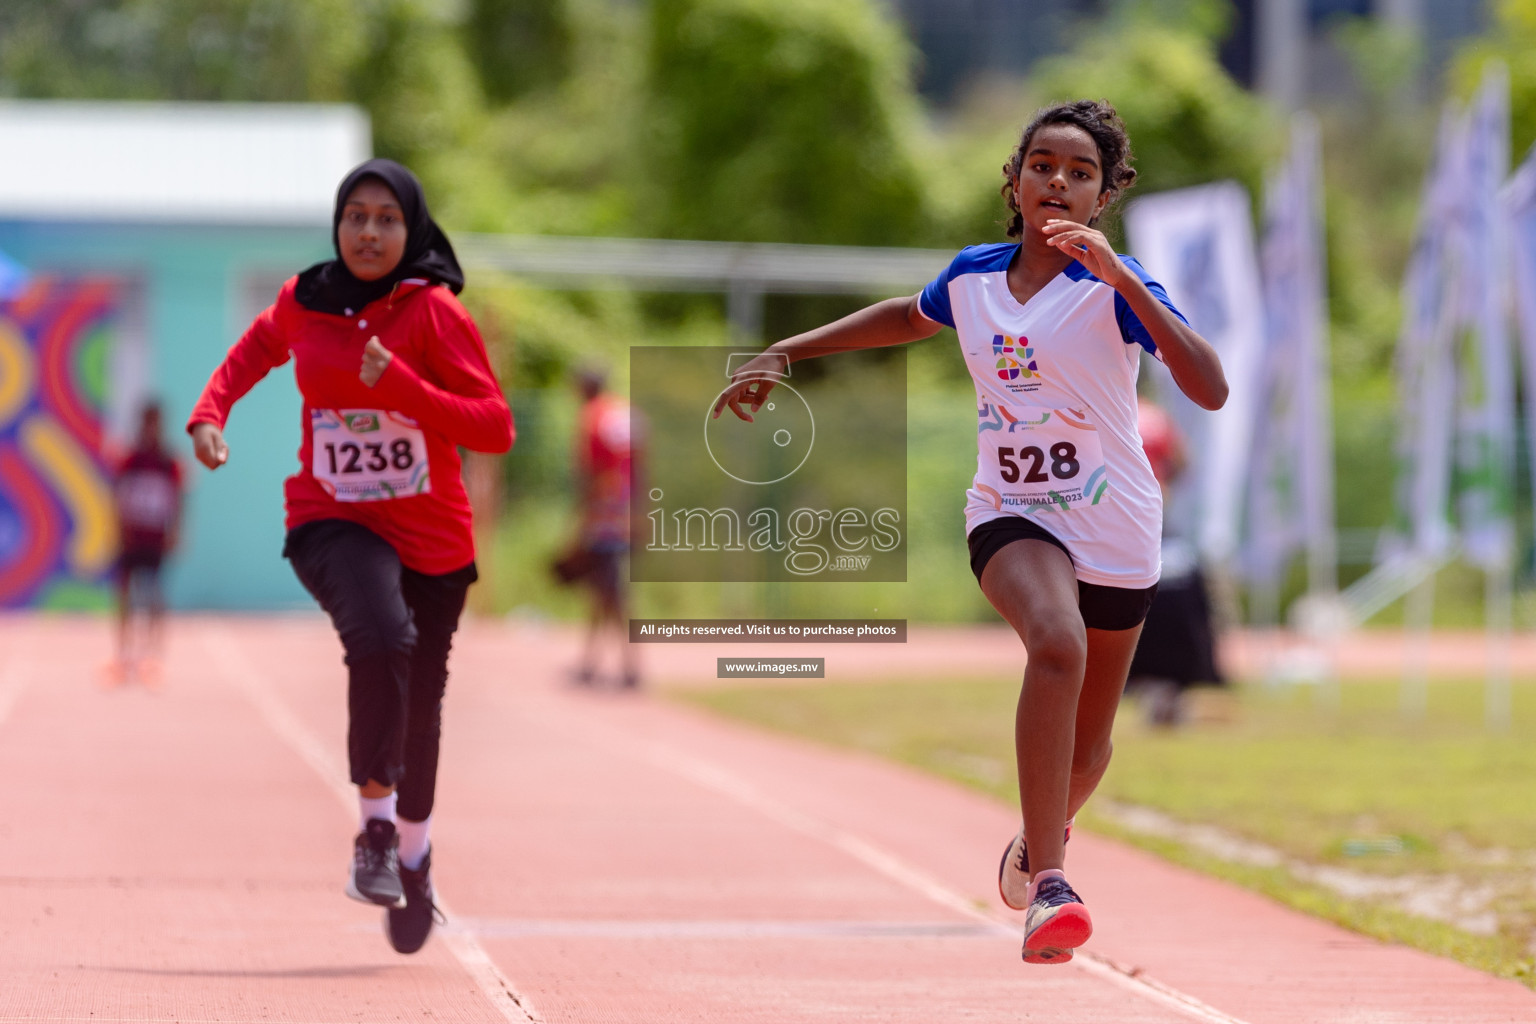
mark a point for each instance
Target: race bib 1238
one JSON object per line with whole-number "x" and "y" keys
{"x": 368, "y": 454}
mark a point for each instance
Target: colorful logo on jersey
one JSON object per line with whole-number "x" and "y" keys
{"x": 1015, "y": 358}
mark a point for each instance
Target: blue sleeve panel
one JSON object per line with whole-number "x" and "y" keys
{"x": 1131, "y": 328}
{"x": 973, "y": 259}
{"x": 983, "y": 259}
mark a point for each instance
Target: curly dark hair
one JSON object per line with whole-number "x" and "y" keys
{"x": 1103, "y": 125}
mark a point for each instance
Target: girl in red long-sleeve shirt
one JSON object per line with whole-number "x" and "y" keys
{"x": 395, "y": 378}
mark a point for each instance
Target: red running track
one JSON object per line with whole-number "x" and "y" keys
{"x": 178, "y": 856}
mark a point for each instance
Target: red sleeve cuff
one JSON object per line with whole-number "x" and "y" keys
{"x": 203, "y": 416}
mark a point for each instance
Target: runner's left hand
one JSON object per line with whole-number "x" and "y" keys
{"x": 375, "y": 359}
{"x": 1089, "y": 247}
{"x": 751, "y": 384}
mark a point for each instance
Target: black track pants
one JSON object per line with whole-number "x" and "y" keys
{"x": 397, "y": 626}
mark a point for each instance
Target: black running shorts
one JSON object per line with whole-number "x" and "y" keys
{"x": 1102, "y": 607}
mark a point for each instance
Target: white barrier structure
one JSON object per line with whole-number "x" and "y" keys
{"x": 745, "y": 272}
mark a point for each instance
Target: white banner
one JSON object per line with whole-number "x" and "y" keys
{"x": 1455, "y": 368}
{"x": 1485, "y": 448}
{"x": 1199, "y": 243}
{"x": 1424, "y": 367}
{"x": 1290, "y": 493}
{"x": 1520, "y": 208}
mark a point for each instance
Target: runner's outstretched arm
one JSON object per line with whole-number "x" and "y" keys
{"x": 891, "y": 322}
{"x": 260, "y": 350}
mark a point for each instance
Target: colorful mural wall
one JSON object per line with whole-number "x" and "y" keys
{"x": 57, "y": 534}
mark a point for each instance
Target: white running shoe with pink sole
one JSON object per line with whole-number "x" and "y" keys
{"x": 1055, "y": 924}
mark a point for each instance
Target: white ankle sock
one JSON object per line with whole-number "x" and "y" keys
{"x": 376, "y": 807}
{"x": 415, "y": 841}
{"x": 1040, "y": 876}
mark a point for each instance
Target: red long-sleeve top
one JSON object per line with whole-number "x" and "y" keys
{"x": 440, "y": 377}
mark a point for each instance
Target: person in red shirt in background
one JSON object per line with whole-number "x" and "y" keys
{"x": 1178, "y": 642}
{"x": 1161, "y": 440}
{"x": 607, "y": 458}
{"x": 146, "y": 494}
{"x": 395, "y": 378}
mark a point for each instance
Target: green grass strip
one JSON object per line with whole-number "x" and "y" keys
{"x": 1319, "y": 780}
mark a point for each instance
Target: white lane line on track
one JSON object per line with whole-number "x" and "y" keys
{"x": 625, "y": 929}
{"x": 713, "y": 777}
{"x": 17, "y": 670}
{"x": 14, "y": 677}
{"x": 224, "y": 650}
{"x": 101, "y": 1019}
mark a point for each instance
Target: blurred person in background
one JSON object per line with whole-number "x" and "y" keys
{"x": 1177, "y": 649}
{"x": 1064, "y": 516}
{"x": 395, "y": 378}
{"x": 146, "y": 495}
{"x": 606, "y": 461}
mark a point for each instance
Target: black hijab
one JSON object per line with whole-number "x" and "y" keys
{"x": 330, "y": 287}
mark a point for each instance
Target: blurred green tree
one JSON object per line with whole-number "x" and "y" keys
{"x": 400, "y": 59}
{"x": 419, "y": 86}
{"x": 780, "y": 120}
{"x": 1376, "y": 144}
{"x": 1512, "y": 39}
{"x": 562, "y": 158}
{"x": 179, "y": 49}
{"x": 518, "y": 45}
{"x": 1189, "y": 121}
{"x": 1155, "y": 61}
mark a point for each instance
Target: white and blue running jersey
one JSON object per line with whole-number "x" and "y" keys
{"x": 1056, "y": 409}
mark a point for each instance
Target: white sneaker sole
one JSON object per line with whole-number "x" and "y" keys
{"x": 1020, "y": 880}
{"x": 1004, "y": 871}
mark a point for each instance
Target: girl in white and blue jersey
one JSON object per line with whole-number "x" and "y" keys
{"x": 1064, "y": 516}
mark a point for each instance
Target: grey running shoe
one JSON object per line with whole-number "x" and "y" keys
{"x": 375, "y": 874}
{"x": 409, "y": 926}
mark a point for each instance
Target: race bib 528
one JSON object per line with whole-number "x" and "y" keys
{"x": 1036, "y": 460}
{"x": 368, "y": 454}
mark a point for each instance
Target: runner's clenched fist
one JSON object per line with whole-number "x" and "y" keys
{"x": 375, "y": 359}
